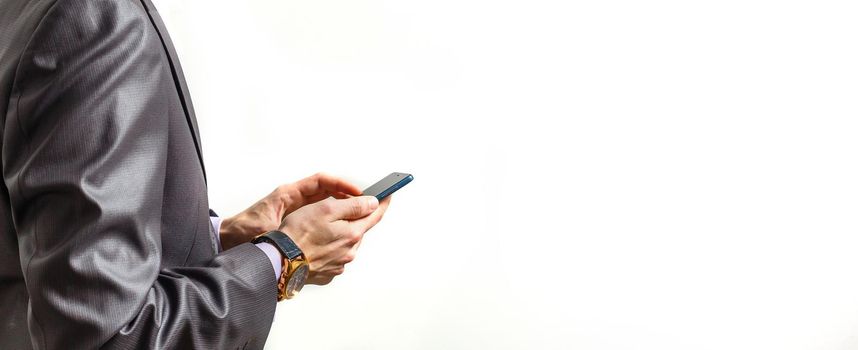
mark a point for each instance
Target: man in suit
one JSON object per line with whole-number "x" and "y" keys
{"x": 106, "y": 237}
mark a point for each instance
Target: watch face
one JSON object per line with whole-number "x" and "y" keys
{"x": 298, "y": 279}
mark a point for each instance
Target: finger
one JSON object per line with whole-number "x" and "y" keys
{"x": 321, "y": 196}
{"x": 370, "y": 220}
{"x": 324, "y": 183}
{"x": 313, "y": 189}
{"x": 320, "y": 280}
{"x": 340, "y": 195}
{"x": 352, "y": 254}
{"x": 351, "y": 208}
{"x": 293, "y": 199}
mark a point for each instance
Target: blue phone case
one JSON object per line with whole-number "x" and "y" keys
{"x": 388, "y": 185}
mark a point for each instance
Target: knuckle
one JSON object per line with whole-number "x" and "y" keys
{"x": 357, "y": 207}
{"x": 284, "y": 192}
{"x": 320, "y": 175}
{"x": 349, "y": 258}
{"x": 325, "y": 208}
{"x": 281, "y": 189}
{"x": 355, "y": 236}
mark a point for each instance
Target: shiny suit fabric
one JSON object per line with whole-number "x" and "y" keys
{"x": 105, "y": 237}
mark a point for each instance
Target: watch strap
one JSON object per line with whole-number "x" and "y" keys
{"x": 282, "y": 242}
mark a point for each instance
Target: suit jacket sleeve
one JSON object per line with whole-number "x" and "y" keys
{"x": 84, "y": 160}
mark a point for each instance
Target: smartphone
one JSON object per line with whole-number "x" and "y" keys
{"x": 388, "y": 185}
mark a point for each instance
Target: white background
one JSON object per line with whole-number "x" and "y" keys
{"x": 588, "y": 174}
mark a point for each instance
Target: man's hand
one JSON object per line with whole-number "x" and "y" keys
{"x": 329, "y": 232}
{"x": 268, "y": 213}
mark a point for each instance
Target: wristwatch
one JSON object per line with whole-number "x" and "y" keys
{"x": 296, "y": 267}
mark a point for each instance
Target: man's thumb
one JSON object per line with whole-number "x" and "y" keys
{"x": 354, "y": 207}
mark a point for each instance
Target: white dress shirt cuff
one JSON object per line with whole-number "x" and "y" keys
{"x": 273, "y": 254}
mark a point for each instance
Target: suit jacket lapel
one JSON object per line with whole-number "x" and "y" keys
{"x": 178, "y": 77}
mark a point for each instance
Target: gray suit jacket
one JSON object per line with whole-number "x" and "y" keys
{"x": 105, "y": 238}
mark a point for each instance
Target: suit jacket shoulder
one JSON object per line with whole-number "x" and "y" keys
{"x": 105, "y": 237}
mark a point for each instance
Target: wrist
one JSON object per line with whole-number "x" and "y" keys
{"x": 230, "y": 233}
{"x": 295, "y": 265}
